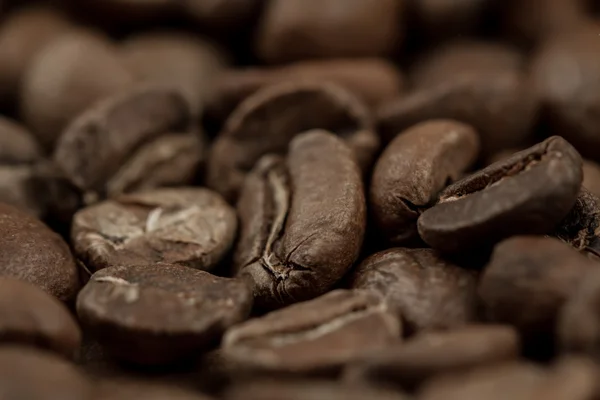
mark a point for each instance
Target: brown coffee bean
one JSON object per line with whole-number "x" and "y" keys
{"x": 302, "y": 220}
{"x": 17, "y": 145}
{"x": 481, "y": 100}
{"x": 267, "y": 121}
{"x": 319, "y": 335}
{"x": 571, "y": 106}
{"x": 98, "y": 142}
{"x": 307, "y": 390}
{"x": 188, "y": 226}
{"x": 29, "y": 315}
{"x": 374, "y": 80}
{"x": 127, "y": 390}
{"x": 571, "y": 378}
{"x": 169, "y": 160}
{"x": 581, "y": 227}
{"x": 528, "y": 193}
{"x": 409, "y": 364}
{"x": 176, "y": 59}
{"x": 465, "y": 57}
{"x": 67, "y": 76}
{"x": 158, "y": 314}
{"x": 414, "y": 167}
{"x": 578, "y": 327}
{"x": 427, "y": 292}
{"x": 30, "y": 251}
{"x": 515, "y": 381}
{"x": 290, "y": 31}
{"x": 22, "y": 35}
{"x": 528, "y": 279}
{"x": 29, "y": 374}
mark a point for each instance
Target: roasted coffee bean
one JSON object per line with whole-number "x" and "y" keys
{"x": 22, "y": 35}
{"x": 427, "y": 292}
{"x": 267, "y": 121}
{"x": 528, "y": 279}
{"x": 317, "y": 336}
{"x": 302, "y": 220}
{"x": 440, "y": 19}
{"x": 98, "y": 142}
{"x": 28, "y": 315}
{"x": 176, "y": 59}
{"x": 581, "y": 227}
{"x": 481, "y": 100}
{"x": 571, "y": 106}
{"x": 193, "y": 227}
{"x": 578, "y": 327}
{"x": 29, "y": 374}
{"x": 70, "y": 74}
{"x": 375, "y": 80}
{"x": 289, "y": 30}
{"x": 414, "y": 167}
{"x": 306, "y": 390}
{"x": 465, "y": 57}
{"x": 528, "y": 193}
{"x": 429, "y": 354}
{"x": 127, "y": 390}
{"x": 511, "y": 380}
{"x": 158, "y": 314}
{"x": 30, "y": 251}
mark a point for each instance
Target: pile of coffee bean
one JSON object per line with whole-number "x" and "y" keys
{"x": 300, "y": 199}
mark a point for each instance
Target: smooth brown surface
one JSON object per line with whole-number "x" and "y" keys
{"x": 528, "y": 279}
{"x": 194, "y": 227}
{"x": 30, "y": 316}
{"x": 302, "y": 221}
{"x": 159, "y": 314}
{"x": 314, "y": 336}
{"x": 427, "y": 292}
{"x": 30, "y": 251}
{"x": 413, "y": 168}
{"x": 267, "y": 121}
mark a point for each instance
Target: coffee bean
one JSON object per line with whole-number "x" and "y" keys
{"x": 414, "y": 167}
{"x": 306, "y": 390}
{"x": 267, "y": 121}
{"x": 427, "y": 292}
{"x": 193, "y": 227}
{"x": 29, "y": 374}
{"x": 580, "y": 228}
{"x": 30, "y": 251}
{"x": 29, "y": 315}
{"x": 99, "y": 141}
{"x": 302, "y": 220}
{"x": 528, "y": 279}
{"x": 22, "y": 35}
{"x": 578, "y": 327}
{"x": 317, "y": 336}
{"x": 126, "y": 390}
{"x": 176, "y": 59}
{"x": 158, "y": 314}
{"x": 169, "y": 160}
{"x": 571, "y": 378}
{"x": 409, "y": 364}
{"x": 510, "y": 380}
{"x": 70, "y": 74}
{"x": 463, "y": 57}
{"x": 571, "y": 106}
{"x": 528, "y": 193}
{"x": 288, "y": 30}
{"x": 374, "y": 80}
{"x": 481, "y": 100}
